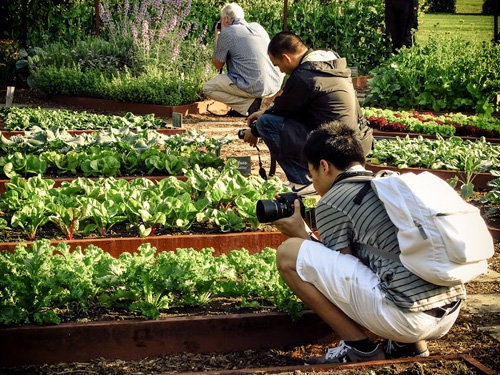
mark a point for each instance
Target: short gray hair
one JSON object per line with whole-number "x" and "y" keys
{"x": 233, "y": 11}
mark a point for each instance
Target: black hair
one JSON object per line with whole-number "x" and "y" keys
{"x": 336, "y": 143}
{"x": 285, "y": 42}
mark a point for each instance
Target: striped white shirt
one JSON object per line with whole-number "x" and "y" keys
{"x": 342, "y": 223}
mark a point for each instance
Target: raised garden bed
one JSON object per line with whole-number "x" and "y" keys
{"x": 127, "y": 340}
{"x": 221, "y": 243}
{"x": 58, "y": 181}
{"x": 480, "y": 180}
{"x": 140, "y": 108}
{"x": 377, "y": 133}
{"x": 168, "y": 131}
{"x": 427, "y": 124}
{"x": 450, "y": 364}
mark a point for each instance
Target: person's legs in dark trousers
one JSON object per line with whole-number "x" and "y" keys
{"x": 269, "y": 128}
{"x": 400, "y": 19}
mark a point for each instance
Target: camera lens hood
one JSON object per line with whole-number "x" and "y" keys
{"x": 267, "y": 211}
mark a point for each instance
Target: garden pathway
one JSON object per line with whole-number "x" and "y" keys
{"x": 485, "y": 304}
{"x": 480, "y": 303}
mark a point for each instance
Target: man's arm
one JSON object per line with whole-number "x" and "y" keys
{"x": 218, "y": 64}
{"x": 294, "y": 97}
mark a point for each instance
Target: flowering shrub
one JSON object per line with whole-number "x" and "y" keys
{"x": 148, "y": 53}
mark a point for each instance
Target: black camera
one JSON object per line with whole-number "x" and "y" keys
{"x": 282, "y": 206}
{"x": 218, "y": 25}
{"x": 241, "y": 133}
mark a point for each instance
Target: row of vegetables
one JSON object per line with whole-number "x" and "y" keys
{"x": 116, "y": 152}
{"x": 129, "y": 151}
{"x": 447, "y": 124}
{"x": 51, "y": 284}
{"x": 208, "y": 200}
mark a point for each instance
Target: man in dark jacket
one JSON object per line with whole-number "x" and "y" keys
{"x": 318, "y": 90}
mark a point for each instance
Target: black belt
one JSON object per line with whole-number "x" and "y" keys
{"x": 439, "y": 312}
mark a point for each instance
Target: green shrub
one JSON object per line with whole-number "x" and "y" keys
{"x": 447, "y": 74}
{"x": 49, "y": 21}
{"x": 154, "y": 52}
{"x": 442, "y": 6}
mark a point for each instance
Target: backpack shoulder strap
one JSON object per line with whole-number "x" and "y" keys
{"x": 362, "y": 176}
{"x": 382, "y": 254}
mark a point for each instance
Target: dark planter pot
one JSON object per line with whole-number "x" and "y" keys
{"x": 132, "y": 340}
{"x": 221, "y": 243}
{"x": 141, "y": 108}
{"x": 495, "y": 233}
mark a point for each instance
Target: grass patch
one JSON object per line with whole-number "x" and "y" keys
{"x": 469, "y": 6}
{"x": 469, "y": 27}
{"x": 468, "y": 22}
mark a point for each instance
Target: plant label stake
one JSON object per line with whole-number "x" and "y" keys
{"x": 177, "y": 120}
{"x": 244, "y": 164}
{"x": 10, "y": 96}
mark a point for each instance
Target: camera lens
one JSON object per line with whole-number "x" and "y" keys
{"x": 268, "y": 210}
{"x": 241, "y": 133}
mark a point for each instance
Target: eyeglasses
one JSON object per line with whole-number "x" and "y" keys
{"x": 309, "y": 177}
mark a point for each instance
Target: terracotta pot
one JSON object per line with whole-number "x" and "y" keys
{"x": 221, "y": 243}
{"x": 132, "y": 340}
{"x": 360, "y": 82}
{"x": 141, "y": 108}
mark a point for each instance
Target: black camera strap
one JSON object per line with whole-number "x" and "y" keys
{"x": 262, "y": 171}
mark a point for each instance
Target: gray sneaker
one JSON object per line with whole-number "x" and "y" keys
{"x": 398, "y": 350}
{"x": 303, "y": 190}
{"x": 344, "y": 354}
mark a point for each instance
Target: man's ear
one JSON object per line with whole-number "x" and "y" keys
{"x": 286, "y": 58}
{"x": 324, "y": 166}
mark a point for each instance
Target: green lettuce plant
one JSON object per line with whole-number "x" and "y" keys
{"x": 48, "y": 284}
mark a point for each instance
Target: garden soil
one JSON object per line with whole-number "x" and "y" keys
{"x": 471, "y": 335}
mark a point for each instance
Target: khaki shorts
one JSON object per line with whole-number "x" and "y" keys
{"x": 353, "y": 287}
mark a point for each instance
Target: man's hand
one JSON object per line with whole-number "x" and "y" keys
{"x": 254, "y": 117}
{"x": 293, "y": 226}
{"x": 250, "y": 138}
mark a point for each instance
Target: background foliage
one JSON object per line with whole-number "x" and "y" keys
{"x": 127, "y": 67}
{"x": 446, "y": 74}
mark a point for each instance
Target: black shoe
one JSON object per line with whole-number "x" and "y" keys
{"x": 255, "y": 106}
{"x": 233, "y": 113}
